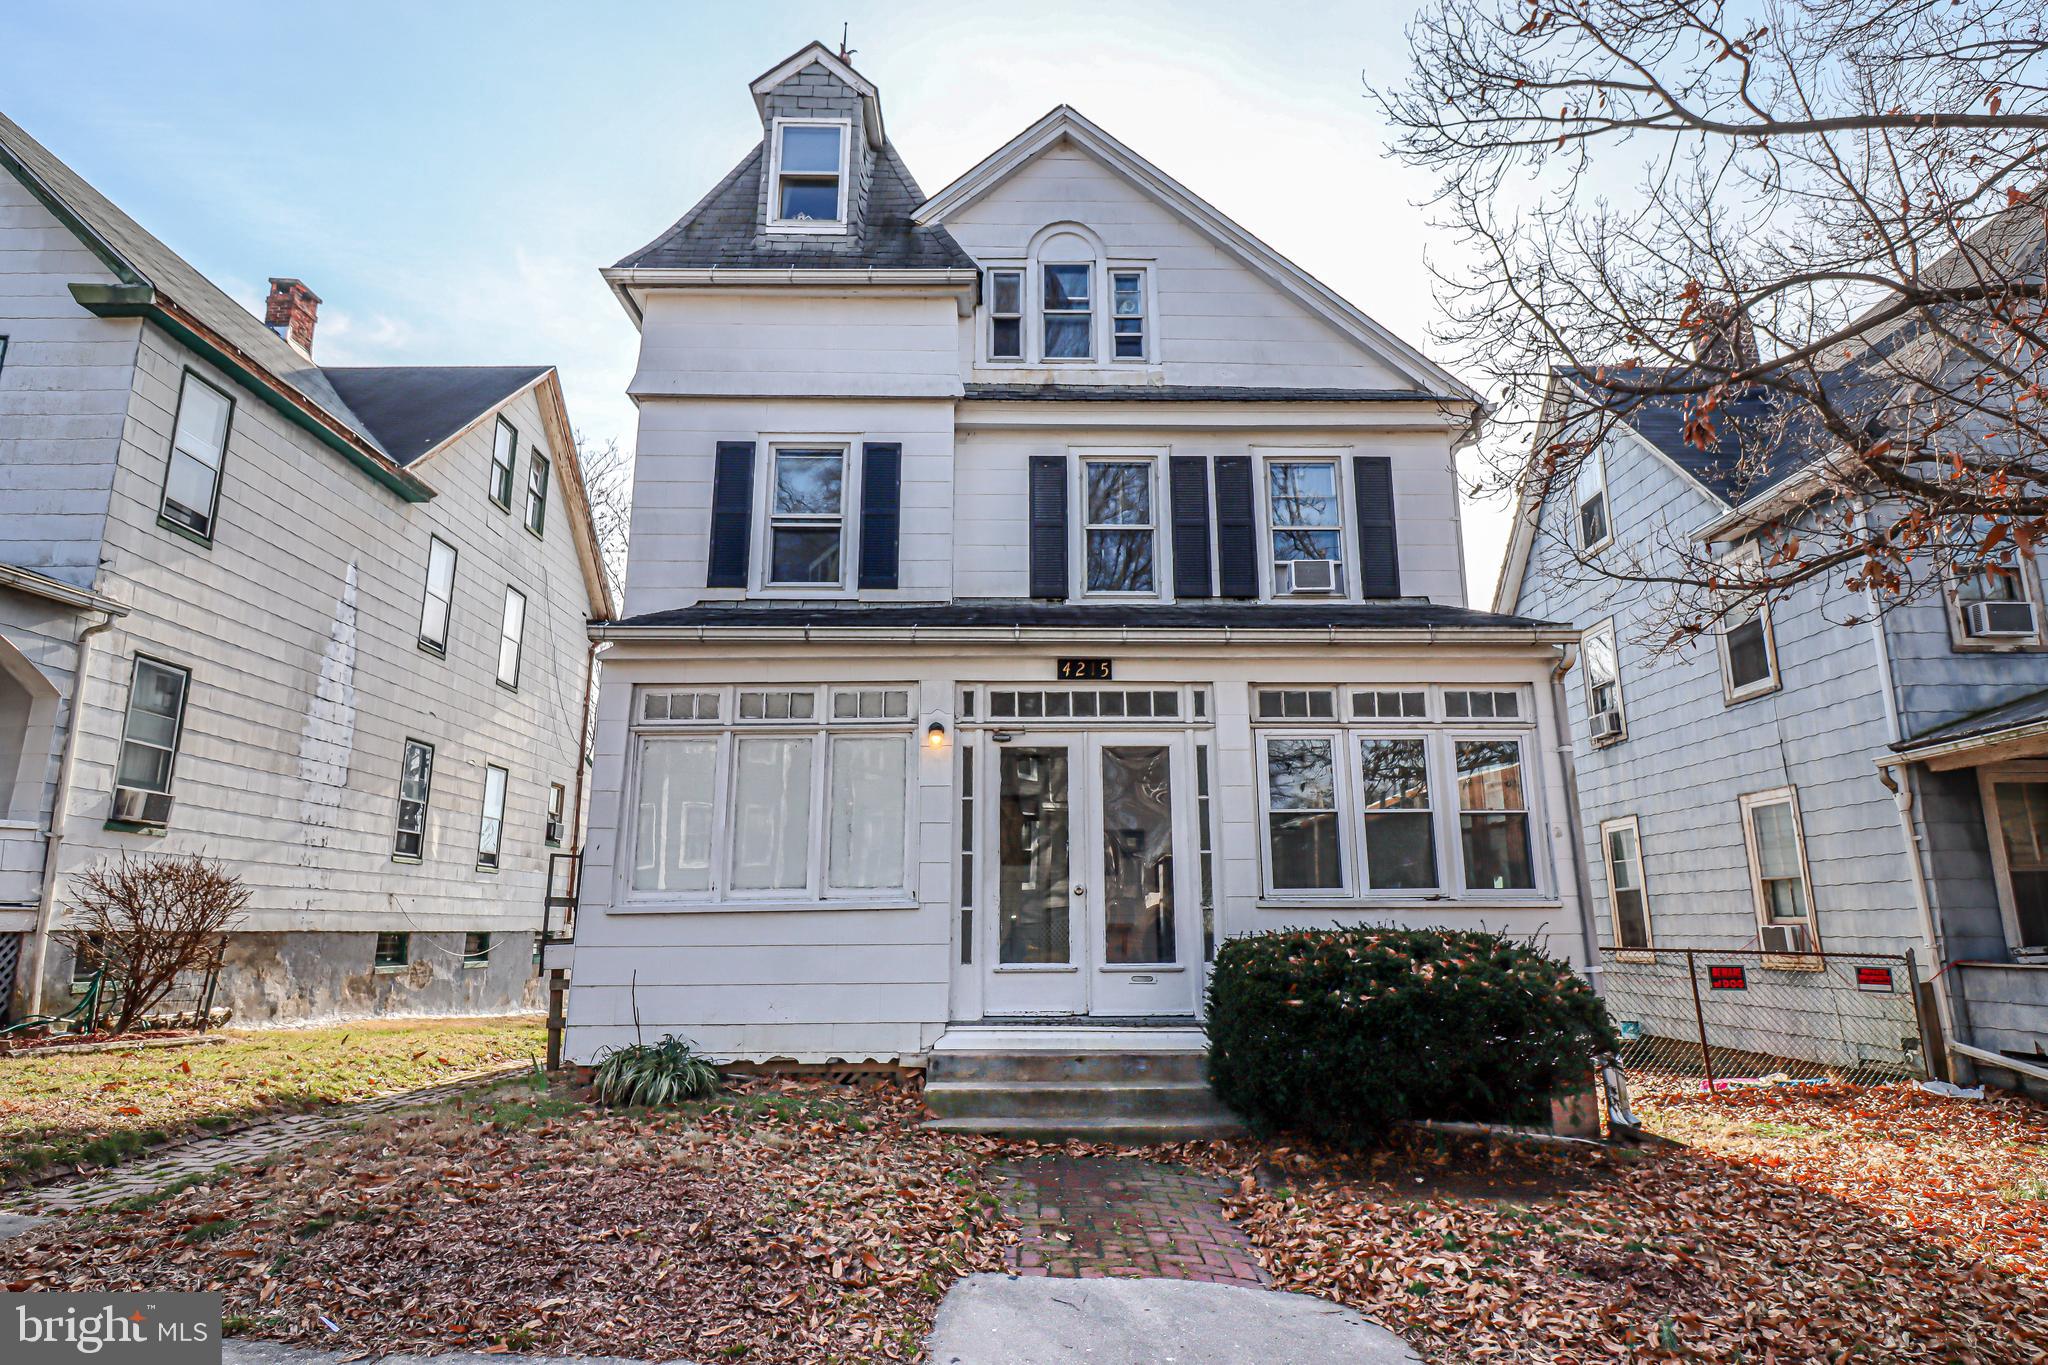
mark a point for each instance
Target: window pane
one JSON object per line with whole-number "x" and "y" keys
{"x": 1033, "y": 898}
{"x": 1137, "y": 853}
{"x": 1600, "y": 667}
{"x": 808, "y": 483}
{"x": 1066, "y": 286}
{"x": 1749, "y": 661}
{"x": 1129, "y": 296}
{"x": 144, "y": 767}
{"x": 771, "y": 814}
{"x": 1777, "y": 844}
{"x": 1293, "y": 545}
{"x": 188, "y": 492}
{"x": 1007, "y": 340}
{"x": 1006, "y": 292}
{"x": 1631, "y": 920}
{"x": 1497, "y": 852}
{"x": 868, "y": 812}
{"x": 1305, "y": 852}
{"x": 513, "y": 629}
{"x": 1396, "y": 774}
{"x": 1119, "y": 494}
{"x": 1120, "y": 561}
{"x": 490, "y": 831}
{"x": 1400, "y": 844}
{"x": 1300, "y": 775}
{"x": 810, "y": 148}
{"x": 1066, "y": 337}
{"x": 1593, "y": 520}
{"x": 417, "y": 774}
{"x": 156, "y": 701}
{"x": 1305, "y": 491}
{"x": 808, "y": 555}
{"x": 673, "y": 837}
{"x": 202, "y": 430}
{"x": 1490, "y": 775}
{"x": 810, "y": 201}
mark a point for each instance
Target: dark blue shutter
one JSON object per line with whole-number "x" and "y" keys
{"x": 1049, "y": 526}
{"x": 1379, "y": 553}
{"x": 1237, "y": 528}
{"x": 1188, "y": 489}
{"x": 732, "y": 514}
{"x": 881, "y": 512}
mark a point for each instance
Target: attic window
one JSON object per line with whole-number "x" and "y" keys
{"x": 810, "y": 174}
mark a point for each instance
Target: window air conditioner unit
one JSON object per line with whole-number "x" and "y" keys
{"x": 1304, "y": 576}
{"x": 135, "y": 806}
{"x": 1785, "y": 938}
{"x": 1606, "y": 724}
{"x": 1999, "y": 619}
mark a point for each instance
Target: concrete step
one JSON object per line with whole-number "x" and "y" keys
{"x": 1027, "y": 1099}
{"x": 1099, "y": 1068}
{"x": 1128, "y": 1132}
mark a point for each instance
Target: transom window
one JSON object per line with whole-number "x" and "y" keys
{"x": 156, "y": 717}
{"x": 661, "y": 705}
{"x": 1306, "y": 526}
{"x": 1120, "y": 530}
{"x": 1390, "y": 705}
{"x": 1127, "y": 313}
{"x": 870, "y": 703}
{"x": 1590, "y": 498}
{"x": 806, "y": 516}
{"x": 778, "y": 705}
{"x": 1628, "y": 902}
{"x": 1064, "y": 704}
{"x": 1006, "y": 314}
{"x": 1290, "y": 703}
{"x": 1777, "y": 863}
{"x": 1068, "y": 305}
{"x": 1462, "y": 704}
{"x": 199, "y": 442}
{"x": 810, "y": 167}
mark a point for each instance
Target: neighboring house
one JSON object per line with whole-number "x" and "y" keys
{"x": 1798, "y": 783}
{"x": 1031, "y": 585}
{"x": 324, "y": 625}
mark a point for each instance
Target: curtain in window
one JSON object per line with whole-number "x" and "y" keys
{"x": 771, "y": 814}
{"x": 675, "y": 804}
{"x": 867, "y": 812}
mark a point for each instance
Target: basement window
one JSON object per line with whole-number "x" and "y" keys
{"x": 476, "y": 949}
{"x": 810, "y": 175}
{"x": 393, "y": 951}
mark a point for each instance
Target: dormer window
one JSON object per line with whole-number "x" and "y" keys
{"x": 810, "y": 175}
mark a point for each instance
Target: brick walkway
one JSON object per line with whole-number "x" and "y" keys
{"x": 1095, "y": 1217}
{"x": 254, "y": 1145}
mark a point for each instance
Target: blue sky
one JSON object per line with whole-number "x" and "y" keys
{"x": 449, "y": 177}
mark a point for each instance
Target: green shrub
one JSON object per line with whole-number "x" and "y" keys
{"x": 1342, "y": 1033}
{"x": 654, "y": 1074}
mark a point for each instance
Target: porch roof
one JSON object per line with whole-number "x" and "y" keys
{"x": 2010, "y": 728}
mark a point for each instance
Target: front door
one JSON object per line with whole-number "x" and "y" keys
{"x": 1092, "y": 903}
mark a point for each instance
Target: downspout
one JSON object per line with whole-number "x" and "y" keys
{"x": 53, "y": 842}
{"x": 1567, "y": 766}
{"x": 582, "y": 751}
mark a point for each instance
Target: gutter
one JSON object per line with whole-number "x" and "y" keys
{"x": 1922, "y": 754}
{"x": 53, "y": 841}
{"x": 811, "y": 632}
{"x": 51, "y": 590}
{"x": 961, "y": 282}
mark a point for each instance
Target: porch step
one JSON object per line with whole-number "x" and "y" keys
{"x": 1135, "y": 1098}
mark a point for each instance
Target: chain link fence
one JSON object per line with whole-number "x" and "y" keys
{"x": 1727, "y": 1016}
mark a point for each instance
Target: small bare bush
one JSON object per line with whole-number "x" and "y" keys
{"x": 149, "y": 919}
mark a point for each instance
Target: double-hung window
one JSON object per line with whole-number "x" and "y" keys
{"x": 490, "y": 833}
{"x": 1306, "y": 526}
{"x": 156, "y": 719}
{"x": 1493, "y": 814}
{"x": 1006, "y": 315}
{"x": 504, "y": 451}
{"x": 1400, "y": 828}
{"x": 511, "y": 638}
{"x": 1994, "y": 607}
{"x": 1777, "y": 864}
{"x": 784, "y": 803}
{"x": 1127, "y": 313}
{"x": 1120, "y": 532}
{"x": 1749, "y": 654}
{"x": 537, "y": 493}
{"x": 1068, "y": 305}
{"x": 440, "y": 595}
{"x": 415, "y": 788}
{"x": 1589, "y": 498}
{"x": 806, "y": 517}
{"x": 1628, "y": 901}
{"x": 1603, "y": 684}
{"x": 558, "y": 805}
{"x": 199, "y": 442}
{"x": 1302, "y": 821}
{"x": 810, "y": 175}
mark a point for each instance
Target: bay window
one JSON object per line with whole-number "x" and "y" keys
{"x": 792, "y": 801}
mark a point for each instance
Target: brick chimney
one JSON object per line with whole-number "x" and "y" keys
{"x": 291, "y": 311}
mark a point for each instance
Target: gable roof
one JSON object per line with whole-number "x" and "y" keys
{"x": 1067, "y": 124}
{"x": 723, "y": 229}
{"x": 414, "y": 408}
{"x": 817, "y": 53}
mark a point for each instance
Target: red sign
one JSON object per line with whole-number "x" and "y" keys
{"x": 1726, "y": 979}
{"x": 1873, "y": 978}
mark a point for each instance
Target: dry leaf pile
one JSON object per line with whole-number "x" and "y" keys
{"x": 1906, "y": 1236}
{"x": 786, "y": 1222}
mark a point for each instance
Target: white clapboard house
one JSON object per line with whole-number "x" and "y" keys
{"x": 1031, "y": 584}
{"x": 323, "y": 624}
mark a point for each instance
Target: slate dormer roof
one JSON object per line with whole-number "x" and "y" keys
{"x": 724, "y": 229}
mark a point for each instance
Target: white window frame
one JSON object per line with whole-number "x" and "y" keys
{"x": 1531, "y": 810}
{"x": 1988, "y": 778}
{"x": 177, "y": 725}
{"x": 1642, "y": 886}
{"x": 1598, "y": 459}
{"x": 1433, "y": 774}
{"x": 218, "y": 465}
{"x": 1162, "y": 569}
{"x": 1269, "y": 568}
{"x": 439, "y": 648}
{"x": 513, "y": 636}
{"x": 1346, "y": 811}
{"x": 1771, "y": 681}
{"x": 485, "y": 818}
{"x": 1962, "y": 642}
{"x": 1747, "y": 804}
{"x": 1603, "y": 631}
{"x": 1092, "y": 265}
{"x": 820, "y": 728}
{"x": 766, "y": 518}
{"x": 776, "y": 222}
{"x": 1022, "y": 316}
{"x": 1144, "y": 315}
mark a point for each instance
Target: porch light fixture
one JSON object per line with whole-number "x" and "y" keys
{"x": 935, "y": 734}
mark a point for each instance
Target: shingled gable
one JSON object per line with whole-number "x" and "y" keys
{"x": 729, "y": 227}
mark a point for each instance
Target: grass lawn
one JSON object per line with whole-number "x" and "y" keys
{"x": 779, "y": 1222}
{"x": 100, "y": 1108}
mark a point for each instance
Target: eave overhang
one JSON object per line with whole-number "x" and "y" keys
{"x": 956, "y": 282}
{"x": 1129, "y": 635}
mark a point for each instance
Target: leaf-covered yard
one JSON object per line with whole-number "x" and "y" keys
{"x": 59, "y": 1109}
